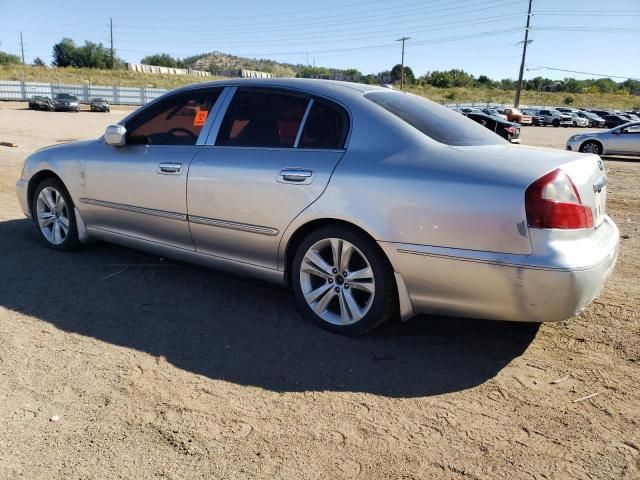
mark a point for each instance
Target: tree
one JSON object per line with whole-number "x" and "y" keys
{"x": 408, "y": 74}
{"x": 64, "y": 53}
{"x": 8, "y": 59}
{"x": 163, "y": 60}
{"x": 38, "y": 62}
{"x": 485, "y": 81}
{"x": 352, "y": 72}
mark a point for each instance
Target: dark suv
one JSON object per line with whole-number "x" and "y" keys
{"x": 510, "y": 131}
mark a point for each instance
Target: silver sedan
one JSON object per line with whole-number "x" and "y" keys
{"x": 622, "y": 140}
{"x": 369, "y": 202}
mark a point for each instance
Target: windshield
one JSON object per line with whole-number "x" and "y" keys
{"x": 99, "y": 100}
{"x": 435, "y": 121}
{"x": 65, "y": 96}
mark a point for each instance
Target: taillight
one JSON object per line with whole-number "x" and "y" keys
{"x": 510, "y": 130}
{"x": 553, "y": 201}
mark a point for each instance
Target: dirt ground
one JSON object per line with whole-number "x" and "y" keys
{"x": 163, "y": 370}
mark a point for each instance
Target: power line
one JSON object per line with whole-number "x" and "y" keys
{"x": 534, "y": 67}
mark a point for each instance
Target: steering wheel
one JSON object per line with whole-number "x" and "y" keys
{"x": 182, "y": 130}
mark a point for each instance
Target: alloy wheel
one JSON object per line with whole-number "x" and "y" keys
{"x": 591, "y": 147}
{"x": 337, "y": 281}
{"x": 52, "y": 215}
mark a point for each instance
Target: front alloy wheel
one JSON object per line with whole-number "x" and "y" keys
{"x": 343, "y": 281}
{"x": 591, "y": 147}
{"x": 53, "y": 213}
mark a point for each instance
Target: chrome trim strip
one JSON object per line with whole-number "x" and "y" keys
{"x": 494, "y": 262}
{"x": 243, "y": 227}
{"x": 302, "y": 123}
{"x": 131, "y": 208}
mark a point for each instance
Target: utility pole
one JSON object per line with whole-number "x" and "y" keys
{"x": 22, "y": 47}
{"x": 524, "y": 54}
{"x": 111, "y": 30}
{"x": 403, "y": 39}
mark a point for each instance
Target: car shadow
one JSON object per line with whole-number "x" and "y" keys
{"x": 239, "y": 330}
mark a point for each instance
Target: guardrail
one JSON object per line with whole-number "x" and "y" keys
{"x": 116, "y": 95}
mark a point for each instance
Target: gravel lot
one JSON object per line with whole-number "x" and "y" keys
{"x": 164, "y": 370}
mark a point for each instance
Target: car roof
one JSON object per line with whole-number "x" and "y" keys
{"x": 329, "y": 88}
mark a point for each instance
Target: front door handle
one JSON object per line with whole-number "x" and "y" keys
{"x": 170, "y": 168}
{"x": 295, "y": 175}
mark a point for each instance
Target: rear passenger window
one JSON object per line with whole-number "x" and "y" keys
{"x": 326, "y": 127}
{"x": 177, "y": 120}
{"x": 262, "y": 118}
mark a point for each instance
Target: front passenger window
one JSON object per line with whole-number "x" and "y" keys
{"x": 177, "y": 120}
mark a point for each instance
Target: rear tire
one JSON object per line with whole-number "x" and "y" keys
{"x": 342, "y": 281}
{"x": 556, "y": 123}
{"x": 54, "y": 215}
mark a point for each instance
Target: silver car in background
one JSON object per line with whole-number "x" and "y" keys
{"x": 622, "y": 140}
{"x": 371, "y": 203}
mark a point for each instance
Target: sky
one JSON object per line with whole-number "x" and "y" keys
{"x": 479, "y": 36}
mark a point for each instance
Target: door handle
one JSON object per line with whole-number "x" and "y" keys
{"x": 170, "y": 168}
{"x": 295, "y": 175}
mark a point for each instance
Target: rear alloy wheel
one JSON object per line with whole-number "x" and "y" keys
{"x": 53, "y": 212}
{"x": 342, "y": 281}
{"x": 591, "y": 147}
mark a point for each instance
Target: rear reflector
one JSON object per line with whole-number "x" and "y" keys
{"x": 553, "y": 201}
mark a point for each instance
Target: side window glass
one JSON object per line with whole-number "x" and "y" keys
{"x": 326, "y": 126}
{"x": 177, "y": 120}
{"x": 262, "y": 118}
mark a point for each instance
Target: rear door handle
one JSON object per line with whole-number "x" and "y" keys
{"x": 170, "y": 168}
{"x": 295, "y": 175}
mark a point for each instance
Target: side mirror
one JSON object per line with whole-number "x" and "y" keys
{"x": 115, "y": 135}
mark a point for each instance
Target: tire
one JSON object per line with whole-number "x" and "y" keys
{"x": 591, "y": 146}
{"x": 331, "y": 293}
{"x": 556, "y": 123}
{"x": 52, "y": 208}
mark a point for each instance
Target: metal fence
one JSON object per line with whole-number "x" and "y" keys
{"x": 22, "y": 91}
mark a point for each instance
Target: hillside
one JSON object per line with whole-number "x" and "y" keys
{"x": 440, "y": 95}
{"x": 216, "y": 61}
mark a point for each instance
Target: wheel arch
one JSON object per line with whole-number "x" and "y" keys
{"x": 35, "y": 180}
{"x": 302, "y": 231}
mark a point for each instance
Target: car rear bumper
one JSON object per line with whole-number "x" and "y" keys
{"x": 534, "y": 288}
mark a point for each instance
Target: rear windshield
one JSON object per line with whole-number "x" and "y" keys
{"x": 435, "y": 121}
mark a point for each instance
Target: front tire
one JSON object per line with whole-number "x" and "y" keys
{"x": 54, "y": 214}
{"x": 591, "y": 147}
{"x": 556, "y": 123}
{"x": 342, "y": 281}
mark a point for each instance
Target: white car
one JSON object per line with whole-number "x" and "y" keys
{"x": 579, "y": 121}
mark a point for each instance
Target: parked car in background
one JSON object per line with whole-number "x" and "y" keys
{"x": 65, "y": 102}
{"x": 510, "y": 131}
{"x": 100, "y": 105}
{"x": 40, "y": 102}
{"x": 555, "y": 118}
{"x": 622, "y": 140}
{"x": 494, "y": 112}
{"x": 515, "y": 115}
{"x": 579, "y": 121}
{"x": 567, "y": 110}
{"x": 371, "y": 203}
{"x": 593, "y": 119}
{"x": 612, "y": 121}
{"x": 468, "y": 110}
{"x": 536, "y": 118}
{"x": 631, "y": 116}
{"x": 601, "y": 113}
